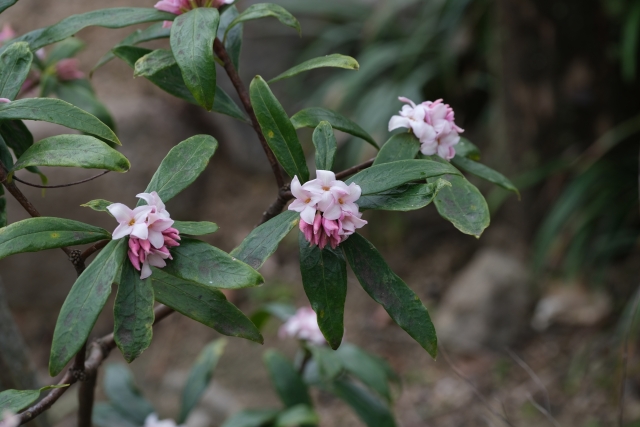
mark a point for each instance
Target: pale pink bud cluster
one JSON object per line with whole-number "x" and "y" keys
{"x": 68, "y": 69}
{"x": 9, "y": 419}
{"x": 153, "y": 421}
{"x": 303, "y": 326}
{"x": 328, "y": 212}
{"x": 433, "y": 124}
{"x": 4, "y": 100}
{"x": 178, "y": 7}
{"x": 6, "y": 33}
{"x": 149, "y": 230}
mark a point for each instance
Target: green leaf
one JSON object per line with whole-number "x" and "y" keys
{"x": 203, "y": 304}
{"x": 367, "y": 368}
{"x": 372, "y": 411}
{"x": 336, "y": 60}
{"x": 388, "y": 290}
{"x": 16, "y": 136}
{"x": 407, "y": 197}
{"x": 200, "y": 376}
{"x": 153, "y": 32}
{"x": 465, "y": 148}
{"x": 484, "y": 172}
{"x": 81, "y": 151}
{"x": 80, "y": 94}
{"x": 17, "y": 400}
{"x": 233, "y": 39}
{"x": 84, "y": 303}
{"x": 279, "y": 310}
{"x": 58, "y": 112}
{"x": 99, "y": 205}
{"x": 3, "y": 209}
{"x": 65, "y": 49}
{"x": 126, "y": 398}
{"x": 15, "y": 64}
{"x": 263, "y": 241}
{"x": 153, "y": 62}
{"x": 326, "y": 145}
{"x": 278, "y": 130}
{"x": 377, "y": 179}
{"x": 106, "y": 415}
{"x": 403, "y": 146}
{"x": 39, "y": 234}
{"x": 133, "y": 313}
{"x": 324, "y": 277}
{"x": 311, "y": 118}
{"x": 463, "y": 205}
{"x": 329, "y": 364}
{"x": 192, "y": 37}
{"x": 297, "y": 416}
{"x": 207, "y": 265}
{"x": 170, "y": 80}
{"x": 264, "y": 10}
{"x": 181, "y": 166}
{"x": 195, "y": 228}
{"x": 286, "y": 380}
{"x": 251, "y": 418}
{"x": 5, "y": 4}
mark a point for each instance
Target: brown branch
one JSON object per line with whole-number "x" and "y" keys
{"x": 220, "y": 50}
{"x": 91, "y": 250}
{"x": 354, "y": 169}
{"x": 98, "y": 351}
{"x": 61, "y": 185}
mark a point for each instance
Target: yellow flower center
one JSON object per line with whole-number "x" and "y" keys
{"x": 132, "y": 222}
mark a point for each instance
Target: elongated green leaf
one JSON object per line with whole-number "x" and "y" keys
{"x": 170, "y": 80}
{"x": 377, "y": 179}
{"x": 326, "y": 145}
{"x": 84, "y": 303}
{"x": 195, "y": 228}
{"x": 202, "y": 263}
{"x": 372, "y": 411}
{"x": 465, "y": 148}
{"x": 15, "y": 64}
{"x": 203, "y": 304}
{"x": 403, "y": 146}
{"x": 278, "y": 130}
{"x": 279, "y": 310}
{"x": 153, "y": 32}
{"x": 5, "y": 4}
{"x": 286, "y": 380}
{"x": 181, "y": 166}
{"x": 324, "y": 277}
{"x": 233, "y": 39}
{"x": 336, "y": 60}
{"x": 133, "y": 313}
{"x": 264, "y": 10}
{"x": 372, "y": 371}
{"x": 263, "y": 241}
{"x": 67, "y": 48}
{"x": 329, "y": 364}
{"x": 17, "y": 400}
{"x": 388, "y": 290}
{"x": 192, "y": 36}
{"x": 99, "y": 205}
{"x": 17, "y": 136}
{"x": 81, "y": 151}
{"x": 407, "y": 197}
{"x": 153, "y": 62}
{"x": 199, "y": 377}
{"x": 38, "y": 234}
{"x": 79, "y": 93}
{"x": 484, "y": 172}
{"x": 106, "y": 415}
{"x": 311, "y": 118}
{"x": 58, "y": 112}
{"x": 298, "y": 415}
{"x": 463, "y": 205}
{"x": 126, "y": 398}
{"x": 251, "y": 418}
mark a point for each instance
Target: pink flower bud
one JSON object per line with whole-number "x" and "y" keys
{"x": 68, "y": 69}
{"x": 169, "y": 242}
{"x": 146, "y": 245}
{"x": 4, "y": 100}
{"x": 134, "y": 245}
{"x": 135, "y": 259}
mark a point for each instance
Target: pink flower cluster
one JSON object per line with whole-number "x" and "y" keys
{"x": 328, "y": 212}
{"x": 152, "y": 420}
{"x": 303, "y": 326}
{"x": 68, "y": 69}
{"x": 178, "y": 7}
{"x": 150, "y": 231}
{"x": 6, "y": 33}
{"x": 433, "y": 124}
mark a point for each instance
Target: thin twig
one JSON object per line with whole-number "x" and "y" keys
{"x": 533, "y": 376}
{"x": 71, "y": 184}
{"x": 354, "y": 169}
{"x": 473, "y": 387}
{"x": 220, "y": 50}
{"x": 544, "y": 412}
{"x": 91, "y": 250}
{"x": 625, "y": 357}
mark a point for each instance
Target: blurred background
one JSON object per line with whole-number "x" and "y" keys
{"x": 534, "y": 315}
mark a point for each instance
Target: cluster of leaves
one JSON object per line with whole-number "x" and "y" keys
{"x": 400, "y": 179}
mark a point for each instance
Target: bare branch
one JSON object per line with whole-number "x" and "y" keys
{"x": 71, "y": 184}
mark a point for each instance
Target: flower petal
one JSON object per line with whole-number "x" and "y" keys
{"x": 120, "y": 212}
